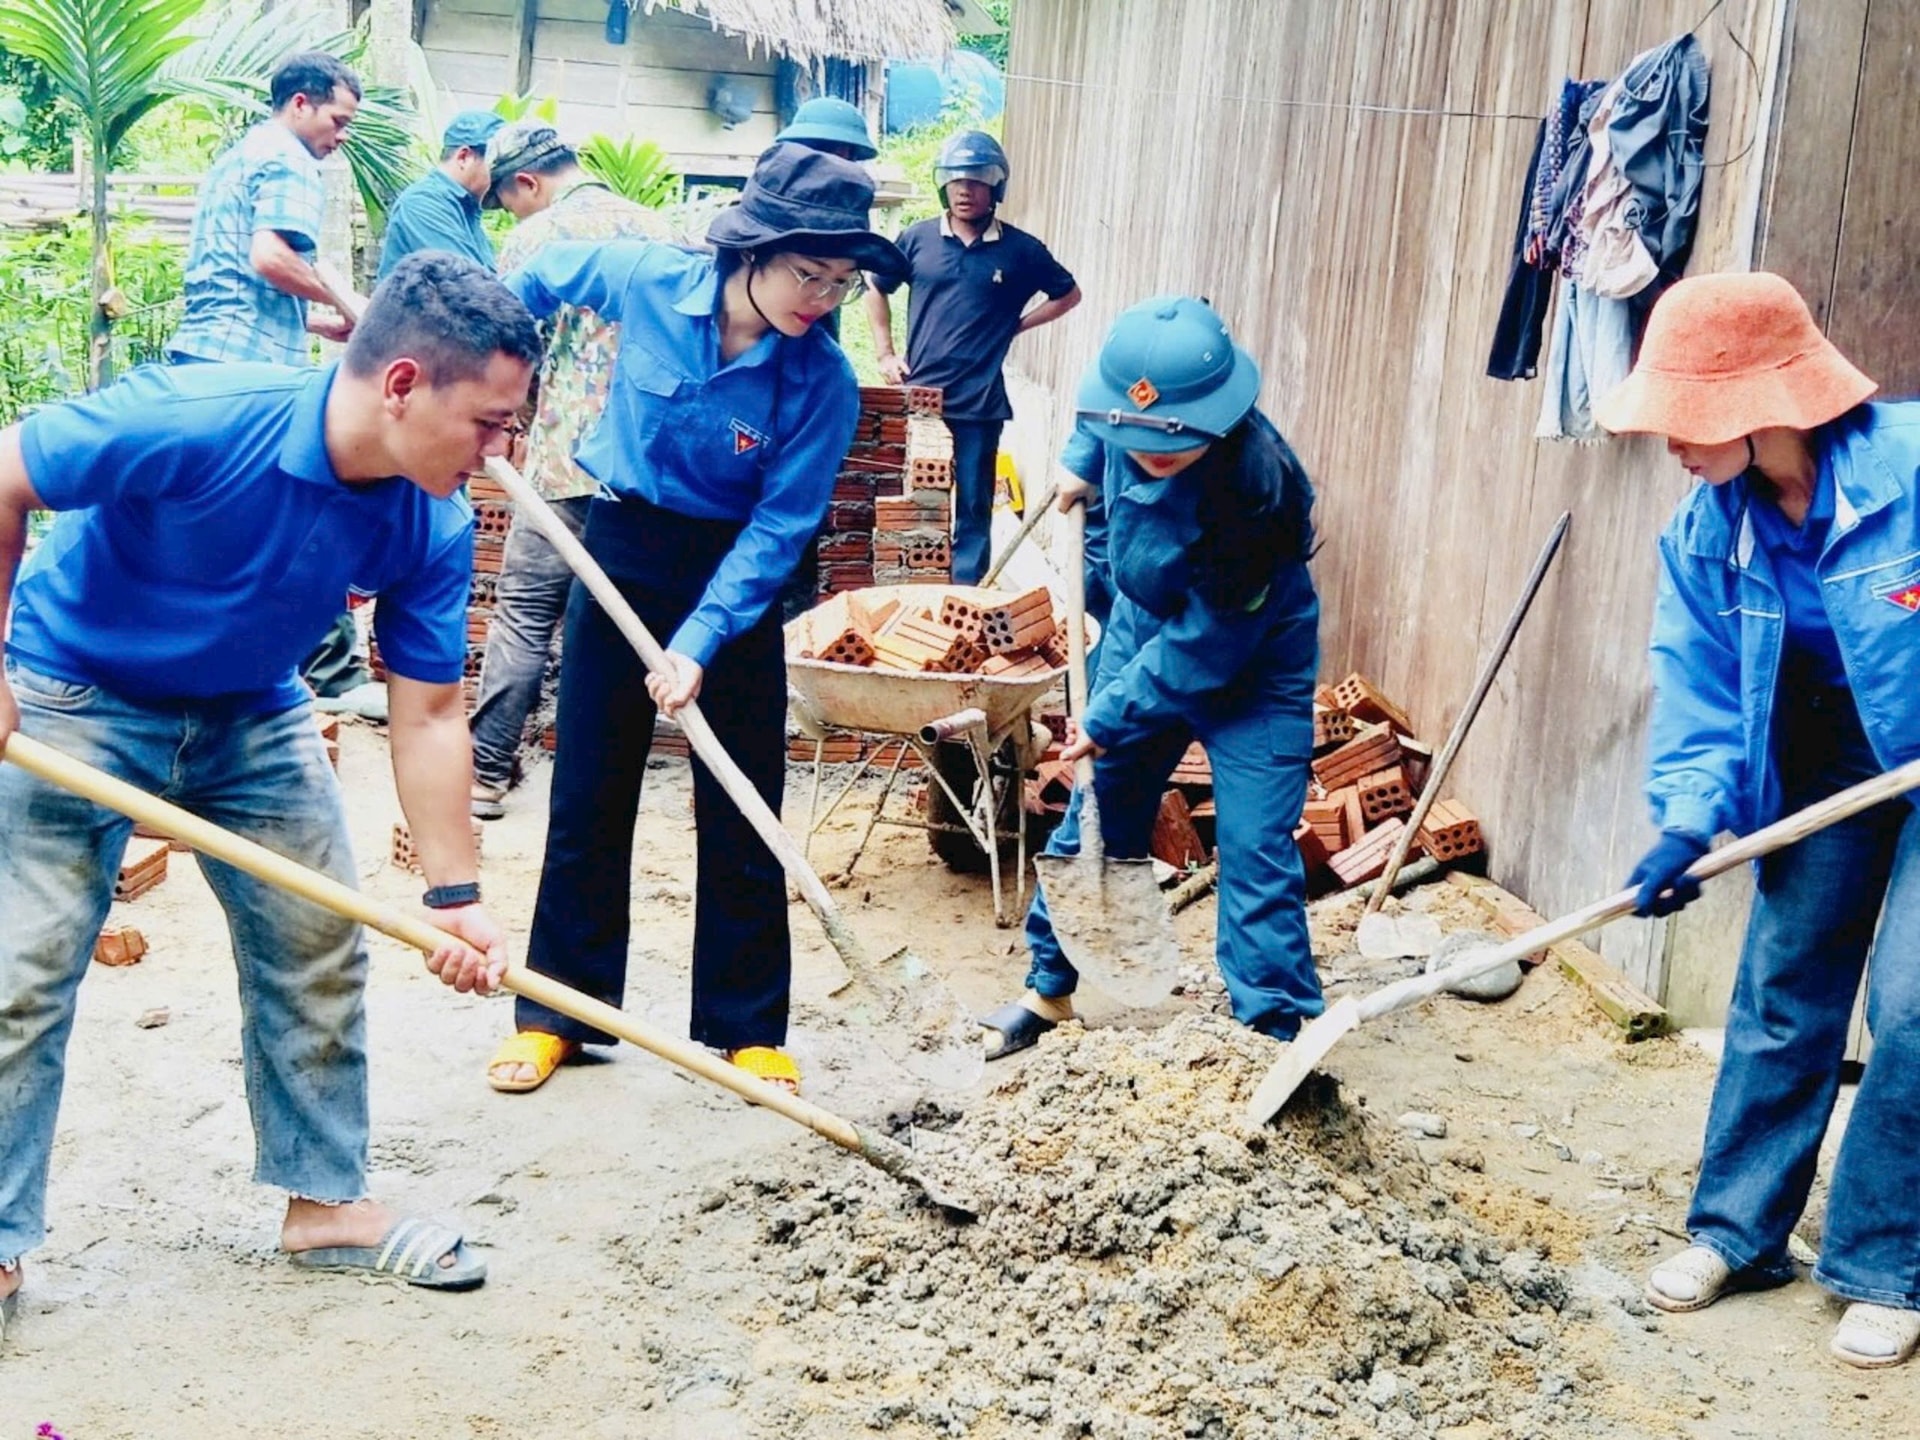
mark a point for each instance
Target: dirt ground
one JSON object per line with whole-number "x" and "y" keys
{"x": 159, "y": 1308}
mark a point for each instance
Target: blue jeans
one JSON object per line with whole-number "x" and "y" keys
{"x": 742, "y": 955}
{"x": 1817, "y": 906}
{"x": 528, "y": 602}
{"x": 1261, "y": 941}
{"x": 302, "y": 970}
{"x": 976, "y": 448}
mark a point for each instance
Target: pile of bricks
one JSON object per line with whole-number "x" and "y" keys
{"x": 1368, "y": 770}
{"x": 884, "y": 527}
{"x": 141, "y": 868}
{"x": 403, "y": 854}
{"x": 969, "y": 631}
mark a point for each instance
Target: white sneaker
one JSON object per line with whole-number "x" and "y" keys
{"x": 1691, "y": 1280}
{"x": 1873, "y": 1336}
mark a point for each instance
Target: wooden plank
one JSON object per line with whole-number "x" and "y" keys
{"x": 1799, "y": 227}
{"x": 1875, "y": 288}
{"x": 520, "y": 45}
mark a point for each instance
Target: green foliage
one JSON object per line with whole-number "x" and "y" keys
{"x": 45, "y": 290}
{"x": 103, "y": 55}
{"x": 994, "y": 47}
{"x": 226, "y": 74}
{"x": 49, "y": 115}
{"x": 636, "y": 169}
{"x": 527, "y": 107}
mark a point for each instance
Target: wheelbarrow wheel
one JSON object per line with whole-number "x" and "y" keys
{"x": 957, "y": 848}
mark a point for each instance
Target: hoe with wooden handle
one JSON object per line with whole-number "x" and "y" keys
{"x": 69, "y": 774}
{"x": 1319, "y": 1037}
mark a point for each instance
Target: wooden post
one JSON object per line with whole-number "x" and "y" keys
{"x": 520, "y": 48}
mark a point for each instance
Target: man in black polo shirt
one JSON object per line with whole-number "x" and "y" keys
{"x": 972, "y": 276}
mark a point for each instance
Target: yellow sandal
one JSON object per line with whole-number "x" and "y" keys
{"x": 764, "y": 1062}
{"x": 544, "y": 1052}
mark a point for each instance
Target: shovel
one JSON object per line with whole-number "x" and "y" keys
{"x": 1385, "y": 937}
{"x": 921, "y": 1024}
{"x": 81, "y": 779}
{"x": 1314, "y": 1042}
{"x": 1108, "y": 915}
{"x": 1035, "y": 512}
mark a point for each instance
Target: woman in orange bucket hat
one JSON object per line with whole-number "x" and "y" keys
{"x": 1785, "y": 648}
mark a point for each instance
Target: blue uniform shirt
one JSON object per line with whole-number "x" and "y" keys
{"x": 434, "y": 213}
{"x": 756, "y": 440}
{"x": 1181, "y": 644}
{"x": 1794, "y": 550}
{"x": 207, "y": 545}
{"x": 965, "y": 309}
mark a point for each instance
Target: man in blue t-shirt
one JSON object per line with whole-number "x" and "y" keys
{"x": 441, "y": 210}
{"x": 210, "y": 519}
{"x": 972, "y": 276}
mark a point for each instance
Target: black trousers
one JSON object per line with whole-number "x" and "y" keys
{"x": 742, "y": 957}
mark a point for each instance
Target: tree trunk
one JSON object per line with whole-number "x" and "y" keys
{"x": 99, "y": 322}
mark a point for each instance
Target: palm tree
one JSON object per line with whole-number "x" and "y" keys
{"x": 118, "y": 59}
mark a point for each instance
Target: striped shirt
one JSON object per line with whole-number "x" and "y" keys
{"x": 268, "y": 181}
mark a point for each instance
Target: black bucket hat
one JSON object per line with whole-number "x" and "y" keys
{"x": 807, "y": 201}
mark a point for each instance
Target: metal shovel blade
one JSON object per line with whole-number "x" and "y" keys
{"x": 1303, "y": 1056}
{"x": 926, "y": 1030}
{"x": 1112, "y": 922}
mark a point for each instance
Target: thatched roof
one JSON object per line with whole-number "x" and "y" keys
{"x": 816, "y": 29}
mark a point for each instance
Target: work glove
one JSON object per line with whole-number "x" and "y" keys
{"x": 1661, "y": 876}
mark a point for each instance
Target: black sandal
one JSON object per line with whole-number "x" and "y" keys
{"x": 1018, "y": 1027}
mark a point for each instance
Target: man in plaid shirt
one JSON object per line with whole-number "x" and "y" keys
{"x": 249, "y": 264}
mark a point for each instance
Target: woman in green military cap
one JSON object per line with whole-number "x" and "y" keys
{"x": 1214, "y": 634}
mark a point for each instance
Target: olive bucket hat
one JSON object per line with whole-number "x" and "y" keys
{"x": 1169, "y": 377}
{"x": 825, "y": 120}
{"x": 810, "y": 202}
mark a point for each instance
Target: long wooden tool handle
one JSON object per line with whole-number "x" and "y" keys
{"x": 57, "y": 768}
{"x": 1074, "y": 558}
{"x": 1035, "y": 511}
{"x": 1430, "y": 792}
{"x": 1776, "y": 836}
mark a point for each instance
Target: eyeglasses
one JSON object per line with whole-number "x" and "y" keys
{"x": 819, "y": 287}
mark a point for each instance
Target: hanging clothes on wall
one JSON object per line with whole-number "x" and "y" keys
{"x": 1611, "y": 204}
{"x": 1559, "y": 147}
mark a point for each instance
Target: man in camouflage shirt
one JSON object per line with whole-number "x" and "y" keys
{"x": 537, "y": 177}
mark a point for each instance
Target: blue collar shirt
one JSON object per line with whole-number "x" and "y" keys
{"x": 205, "y": 544}
{"x": 756, "y": 440}
{"x": 435, "y": 213}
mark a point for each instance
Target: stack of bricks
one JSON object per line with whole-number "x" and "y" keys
{"x": 142, "y": 867}
{"x": 856, "y": 535}
{"x": 492, "y": 518}
{"x": 1368, "y": 770}
{"x": 966, "y": 631}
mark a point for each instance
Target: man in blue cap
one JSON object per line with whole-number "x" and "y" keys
{"x": 972, "y": 276}
{"x": 210, "y": 518}
{"x": 1214, "y": 634}
{"x": 441, "y": 210}
{"x": 832, "y": 125}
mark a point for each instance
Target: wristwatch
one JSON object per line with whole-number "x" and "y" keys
{"x": 452, "y": 897}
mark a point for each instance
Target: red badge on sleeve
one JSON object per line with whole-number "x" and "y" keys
{"x": 1907, "y": 598}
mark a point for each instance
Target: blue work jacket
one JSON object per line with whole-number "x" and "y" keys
{"x": 1185, "y": 644}
{"x": 1719, "y": 629}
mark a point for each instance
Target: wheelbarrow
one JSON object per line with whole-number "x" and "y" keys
{"x": 917, "y": 713}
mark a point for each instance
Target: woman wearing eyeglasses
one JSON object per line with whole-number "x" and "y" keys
{"x": 729, "y": 415}
{"x": 1214, "y": 634}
